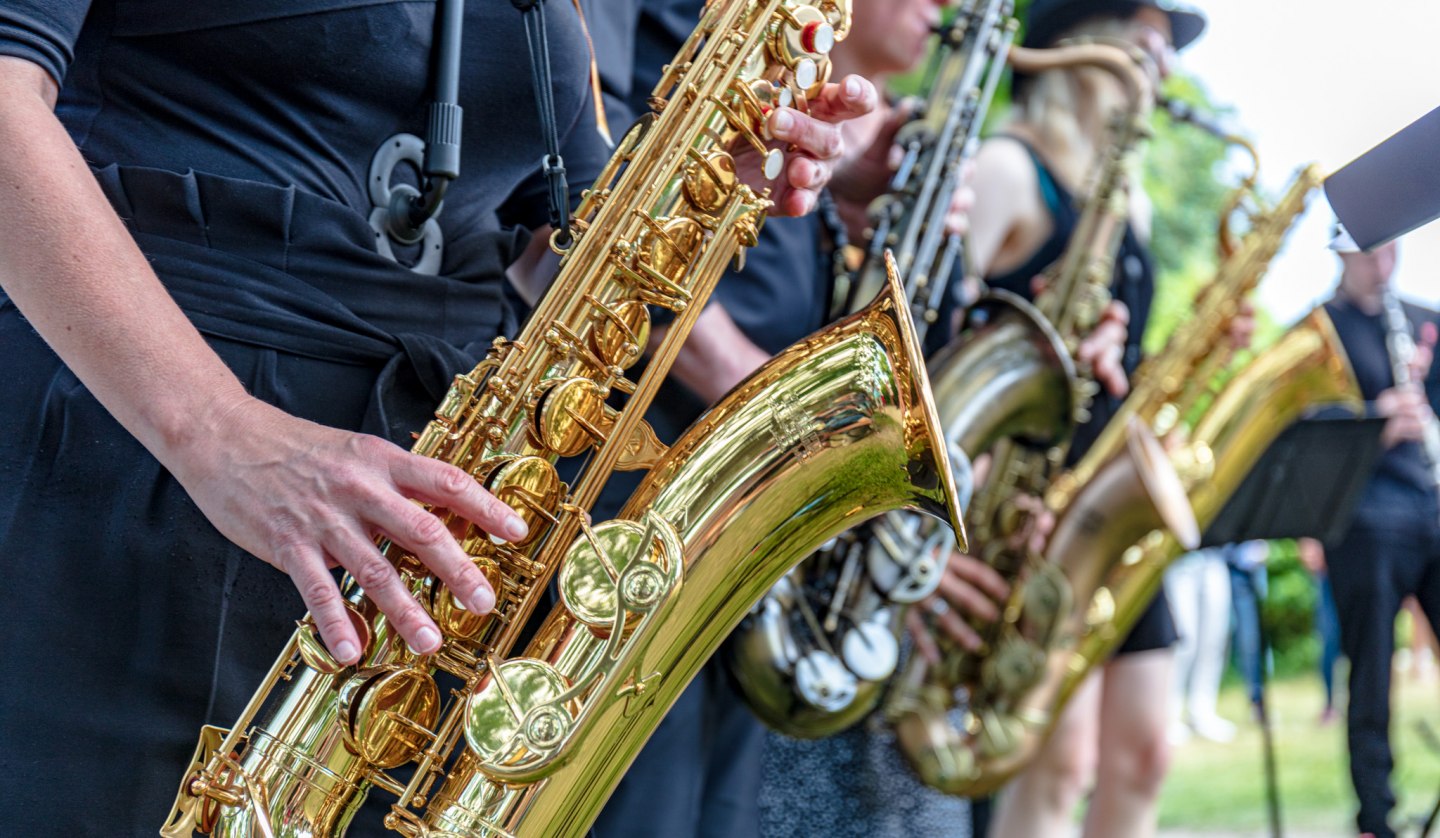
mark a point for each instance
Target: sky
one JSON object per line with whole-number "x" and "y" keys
{"x": 1323, "y": 81}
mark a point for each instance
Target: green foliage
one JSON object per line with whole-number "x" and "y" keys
{"x": 1183, "y": 177}
{"x": 1289, "y": 612}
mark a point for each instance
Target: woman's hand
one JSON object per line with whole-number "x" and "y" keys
{"x": 305, "y": 497}
{"x": 814, "y": 141}
{"x": 968, "y": 588}
{"x": 1103, "y": 350}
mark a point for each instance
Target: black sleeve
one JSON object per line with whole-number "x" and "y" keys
{"x": 584, "y": 153}
{"x": 42, "y": 31}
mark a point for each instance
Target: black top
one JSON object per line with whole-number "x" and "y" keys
{"x": 302, "y": 92}
{"x": 1133, "y": 285}
{"x": 236, "y": 138}
{"x": 1364, "y": 338}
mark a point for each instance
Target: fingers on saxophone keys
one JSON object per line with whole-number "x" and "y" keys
{"x": 308, "y": 573}
{"x": 809, "y": 135}
{"x": 427, "y": 537}
{"x": 958, "y": 630}
{"x": 382, "y": 584}
{"x": 966, "y": 598}
{"x": 443, "y": 485}
{"x": 852, "y": 96}
{"x": 924, "y": 643}
{"x": 981, "y": 575}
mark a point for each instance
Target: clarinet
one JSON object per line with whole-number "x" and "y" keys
{"x": 1401, "y": 345}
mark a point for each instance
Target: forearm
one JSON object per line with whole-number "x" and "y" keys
{"x": 70, "y": 266}
{"x": 716, "y": 355}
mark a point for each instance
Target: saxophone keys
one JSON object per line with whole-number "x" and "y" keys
{"x": 616, "y": 570}
{"x": 621, "y": 332}
{"x": 312, "y": 648}
{"x": 802, "y": 42}
{"x": 822, "y": 681}
{"x": 389, "y": 714}
{"x": 530, "y": 486}
{"x": 709, "y": 179}
{"x": 451, "y": 615}
{"x": 571, "y": 416}
{"x": 514, "y": 713}
{"x": 870, "y": 649}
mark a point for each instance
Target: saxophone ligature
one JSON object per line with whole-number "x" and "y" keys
{"x": 834, "y": 430}
{"x": 1213, "y": 440}
{"x": 814, "y": 655}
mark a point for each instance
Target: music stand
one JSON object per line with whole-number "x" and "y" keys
{"x": 1306, "y": 484}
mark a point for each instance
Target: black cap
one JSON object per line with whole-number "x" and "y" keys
{"x": 1049, "y": 19}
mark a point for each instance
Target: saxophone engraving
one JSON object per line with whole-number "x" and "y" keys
{"x": 534, "y": 743}
{"x": 1118, "y": 555}
{"x": 814, "y": 656}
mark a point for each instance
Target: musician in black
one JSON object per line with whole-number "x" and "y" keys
{"x": 1392, "y": 549}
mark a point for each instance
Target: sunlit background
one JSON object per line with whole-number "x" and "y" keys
{"x": 1323, "y": 81}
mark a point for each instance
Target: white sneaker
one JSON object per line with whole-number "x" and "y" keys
{"x": 1214, "y": 729}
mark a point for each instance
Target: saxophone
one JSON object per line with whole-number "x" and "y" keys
{"x": 1013, "y": 366}
{"x": 813, "y": 656}
{"x": 830, "y": 432}
{"x": 1119, "y": 553}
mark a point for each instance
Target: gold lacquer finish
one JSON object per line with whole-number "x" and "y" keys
{"x": 814, "y": 656}
{"x": 835, "y": 430}
{"x": 1115, "y": 560}
{"x": 1008, "y": 385}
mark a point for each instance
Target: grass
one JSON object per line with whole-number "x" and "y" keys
{"x": 1219, "y": 789}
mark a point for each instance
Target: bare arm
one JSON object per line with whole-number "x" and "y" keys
{"x": 716, "y": 355}
{"x": 1008, "y": 221}
{"x": 296, "y": 494}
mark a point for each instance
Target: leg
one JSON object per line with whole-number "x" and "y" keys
{"x": 1183, "y": 587}
{"x": 1367, "y": 601}
{"x": 730, "y": 803}
{"x": 1247, "y": 630}
{"x": 1210, "y": 642}
{"x": 1041, "y": 800}
{"x": 1327, "y": 622}
{"x": 1134, "y": 755}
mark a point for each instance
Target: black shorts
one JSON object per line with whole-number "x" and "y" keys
{"x": 1154, "y": 630}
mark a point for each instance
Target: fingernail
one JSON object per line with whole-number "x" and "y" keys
{"x": 346, "y": 652}
{"x": 429, "y": 640}
{"x": 481, "y": 600}
{"x": 514, "y": 528}
{"x": 852, "y": 88}
{"x": 783, "y": 121}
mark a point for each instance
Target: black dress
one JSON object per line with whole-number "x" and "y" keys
{"x": 1133, "y": 285}
{"x": 234, "y": 138}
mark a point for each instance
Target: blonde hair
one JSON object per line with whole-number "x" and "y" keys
{"x": 1051, "y": 103}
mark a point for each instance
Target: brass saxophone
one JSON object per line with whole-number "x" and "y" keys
{"x": 814, "y": 655}
{"x": 1118, "y": 553}
{"x": 1009, "y": 385}
{"x": 832, "y": 431}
